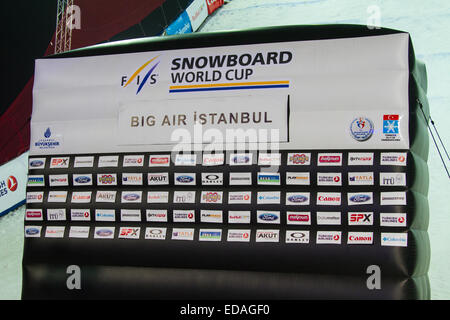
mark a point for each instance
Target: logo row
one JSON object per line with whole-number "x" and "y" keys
{"x": 217, "y": 159}
{"x": 387, "y": 179}
{"x": 217, "y": 197}
{"x": 232, "y": 235}
{"x": 216, "y": 216}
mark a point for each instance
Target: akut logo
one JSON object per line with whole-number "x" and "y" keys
{"x": 137, "y": 78}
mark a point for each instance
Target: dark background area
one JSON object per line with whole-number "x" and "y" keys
{"x": 27, "y": 29}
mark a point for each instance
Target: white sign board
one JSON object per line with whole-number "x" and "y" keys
{"x": 347, "y": 93}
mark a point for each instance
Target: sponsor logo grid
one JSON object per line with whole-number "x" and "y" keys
{"x": 168, "y": 182}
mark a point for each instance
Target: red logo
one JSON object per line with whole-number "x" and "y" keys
{"x": 299, "y": 158}
{"x": 12, "y": 183}
{"x": 164, "y": 160}
{"x": 356, "y": 217}
{"x": 34, "y": 214}
{"x": 401, "y": 220}
{"x": 298, "y": 217}
{"x": 336, "y": 237}
{"x": 213, "y": 5}
{"x": 330, "y": 159}
{"x": 391, "y": 117}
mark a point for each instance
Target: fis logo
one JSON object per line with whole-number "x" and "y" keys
{"x": 149, "y": 76}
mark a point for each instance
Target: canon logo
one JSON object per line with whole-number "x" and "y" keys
{"x": 328, "y": 198}
{"x": 360, "y": 238}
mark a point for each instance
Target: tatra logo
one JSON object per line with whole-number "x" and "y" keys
{"x": 136, "y": 76}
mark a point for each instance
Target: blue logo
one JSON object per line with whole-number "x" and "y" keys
{"x": 36, "y": 163}
{"x": 47, "y": 133}
{"x": 185, "y": 179}
{"x": 35, "y": 180}
{"x": 298, "y": 198}
{"x": 241, "y": 159}
{"x": 268, "y": 217}
{"x": 390, "y": 123}
{"x": 47, "y": 143}
{"x": 360, "y": 198}
{"x": 361, "y": 129}
{"x": 269, "y": 178}
{"x": 82, "y": 179}
{"x": 131, "y": 197}
{"x": 210, "y": 234}
{"x": 32, "y": 231}
{"x": 104, "y": 232}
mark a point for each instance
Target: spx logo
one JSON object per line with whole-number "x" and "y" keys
{"x": 137, "y": 75}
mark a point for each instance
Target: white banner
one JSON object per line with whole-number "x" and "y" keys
{"x": 197, "y": 12}
{"x": 13, "y": 183}
{"x": 343, "y": 94}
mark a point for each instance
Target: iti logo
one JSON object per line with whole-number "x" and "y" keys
{"x": 390, "y": 123}
{"x": 140, "y": 82}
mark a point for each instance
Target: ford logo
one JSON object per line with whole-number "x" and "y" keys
{"x": 131, "y": 197}
{"x": 360, "y": 198}
{"x": 36, "y": 163}
{"x": 268, "y": 217}
{"x": 242, "y": 159}
{"x": 297, "y": 198}
{"x": 104, "y": 232}
{"x": 82, "y": 179}
{"x": 185, "y": 179}
{"x": 32, "y": 231}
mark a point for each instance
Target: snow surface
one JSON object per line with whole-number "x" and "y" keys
{"x": 428, "y": 22}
